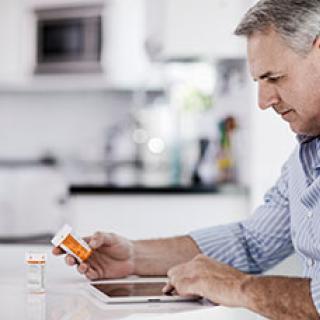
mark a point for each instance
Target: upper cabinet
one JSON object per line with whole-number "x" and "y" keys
{"x": 125, "y": 59}
{"x": 195, "y": 28}
{"x": 11, "y": 24}
{"x": 137, "y": 34}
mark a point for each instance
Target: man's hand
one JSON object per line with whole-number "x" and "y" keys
{"x": 112, "y": 257}
{"x": 273, "y": 297}
{"x": 209, "y": 279}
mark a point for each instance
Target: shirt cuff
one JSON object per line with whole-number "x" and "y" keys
{"x": 223, "y": 243}
{"x": 208, "y": 239}
{"x": 315, "y": 293}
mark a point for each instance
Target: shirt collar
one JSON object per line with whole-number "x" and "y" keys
{"x": 317, "y": 162}
{"x": 303, "y": 139}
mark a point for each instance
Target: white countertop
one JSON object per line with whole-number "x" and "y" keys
{"x": 65, "y": 297}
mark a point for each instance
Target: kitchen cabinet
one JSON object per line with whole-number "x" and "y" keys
{"x": 137, "y": 34}
{"x": 145, "y": 216}
{"x": 11, "y": 56}
{"x": 125, "y": 59}
{"x": 193, "y": 28}
{"x": 154, "y": 31}
{"x": 32, "y": 200}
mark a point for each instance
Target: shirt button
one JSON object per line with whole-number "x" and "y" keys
{"x": 310, "y": 262}
{"x": 309, "y": 214}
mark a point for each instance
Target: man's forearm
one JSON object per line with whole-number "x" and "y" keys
{"x": 156, "y": 257}
{"x": 280, "y": 298}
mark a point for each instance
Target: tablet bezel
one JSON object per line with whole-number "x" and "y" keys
{"x": 134, "y": 299}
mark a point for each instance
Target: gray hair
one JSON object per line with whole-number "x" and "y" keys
{"x": 296, "y": 21}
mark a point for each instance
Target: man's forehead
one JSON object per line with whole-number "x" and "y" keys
{"x": 266, "y": 53}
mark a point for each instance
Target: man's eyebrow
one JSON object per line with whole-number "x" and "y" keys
{"x": 265, "y": 75}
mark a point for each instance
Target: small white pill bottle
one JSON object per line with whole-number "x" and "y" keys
{"x": 36, "y": 263}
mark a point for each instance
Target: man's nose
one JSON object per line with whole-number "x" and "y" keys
{"x": 268, "y": 96}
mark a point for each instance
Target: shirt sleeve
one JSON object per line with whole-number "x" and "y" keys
{"x": 257, "y": 244}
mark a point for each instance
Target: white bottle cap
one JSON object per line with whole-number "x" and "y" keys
{"x": 61, "y": 235}
{"x": 35, "y": 258}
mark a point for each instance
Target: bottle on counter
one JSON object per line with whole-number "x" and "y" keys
{"x": 36, "y": 263}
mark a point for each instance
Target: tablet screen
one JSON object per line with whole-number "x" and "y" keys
{"x": 131, "y": 289}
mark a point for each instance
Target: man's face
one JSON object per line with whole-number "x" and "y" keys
{"x": 288, "y": 82}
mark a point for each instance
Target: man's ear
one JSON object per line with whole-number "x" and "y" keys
{"x": 315, "y": 51}
{"x": 316, "y": 43}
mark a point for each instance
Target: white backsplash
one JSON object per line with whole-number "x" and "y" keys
{"x": 67, "y": 124}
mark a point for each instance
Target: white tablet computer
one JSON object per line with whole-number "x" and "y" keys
{"x": 133, "y": 291}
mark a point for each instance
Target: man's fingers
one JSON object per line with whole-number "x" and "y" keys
{"x": 70, "y": 260}
{"x": 100, "y": 238}
{"x": 87, "y": 239}
{"x": 177, "y": 270}
{"x": 168, "y": 288}
{"x": 96, "y": 240}
{"x": 91, "y": 274}
{"x": 57, "y": 251}
{"x": 83, "y": 268}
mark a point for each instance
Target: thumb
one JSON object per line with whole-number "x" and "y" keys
{"x": 100, "y": 239}
{"x": 168, "y": 288}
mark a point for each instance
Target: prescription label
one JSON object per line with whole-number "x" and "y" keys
{"x": 75, "y": 247}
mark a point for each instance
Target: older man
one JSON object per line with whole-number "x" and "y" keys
{"x": 220, "y": 263}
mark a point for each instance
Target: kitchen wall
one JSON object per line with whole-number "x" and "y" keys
{"x": 70, "y": 126}
{"x": 65, "y": 123}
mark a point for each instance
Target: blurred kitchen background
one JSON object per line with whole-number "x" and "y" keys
{"x": 136, "y": 116}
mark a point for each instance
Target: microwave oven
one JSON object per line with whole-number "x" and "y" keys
{"x": 69, "y": 39}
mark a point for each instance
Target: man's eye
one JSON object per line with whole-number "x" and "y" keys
{"x": 274, "y": 79}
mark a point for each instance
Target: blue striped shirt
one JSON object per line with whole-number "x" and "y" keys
{"x": 288, "y": 221}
